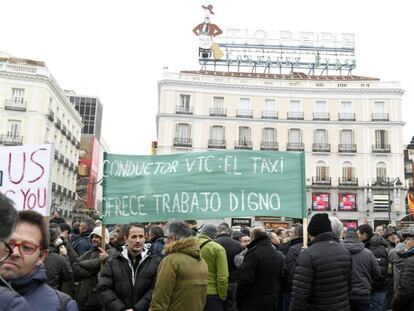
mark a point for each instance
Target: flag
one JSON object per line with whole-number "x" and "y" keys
{"x": 410, "y": 203}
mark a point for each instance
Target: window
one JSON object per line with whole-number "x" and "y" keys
{"x": 379, "y": 107}
{"x": 244, "y": 104}
{"x": 183, "y": 130}
{"x": 346, "y": 107}
{"x": 295, "y": 136}
{"x": 184, "y": 105}
{"x": 18, "y": 95}
{"x": 269, "y": 135}
{"x": 14, "y": 128}
{"x": 270, "y": 105}
{"x": 321, "y": 137}
{"x": 348, "y": 172}
{"x": 381, "y": 170}
{"x": 218, "y": 102}
{"x": 244, "y": 135}
{"x": 320, "y": 106}
{"x": 217, "y": 133}
{"x": 295, "y": 106}
{"x": 245, "y": 108}
{"x": 347, "y": 138}
{"x": 322, "y": 171}
{"x": 381, "y": 138}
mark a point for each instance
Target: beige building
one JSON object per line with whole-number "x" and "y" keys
{"x": 35, "y": 110}
{"x": 349, "y": 127}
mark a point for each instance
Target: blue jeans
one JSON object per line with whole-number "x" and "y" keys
{"x": 378, "y": 301}
{"x": 286, "y": 301}
{"x": 213, "y": 303}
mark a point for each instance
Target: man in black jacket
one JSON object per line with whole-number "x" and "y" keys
{"x": 127, "y": 280}
{"x": 378, "y": 246}
{"x": 295, "y": 248}
{"x": 322, "y": 274}
{"x": 404, "y": 298}
{"x": 260, "y": 275}
{"x": 232, "y": 248}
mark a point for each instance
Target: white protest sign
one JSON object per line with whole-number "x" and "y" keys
{"x": 26, "y": 176}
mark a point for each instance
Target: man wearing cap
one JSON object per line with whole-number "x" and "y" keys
{"x": 218, "y": 273}
{"x": 323, "y": 270}
{"x": 87, "y": 267}
{"x": 404, "y": 298}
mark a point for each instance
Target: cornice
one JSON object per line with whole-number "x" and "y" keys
{"x": 296, "y": 90}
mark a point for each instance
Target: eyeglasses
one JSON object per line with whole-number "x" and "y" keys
{"x": 25, "y": 248}
{"x": 5, "y": 251}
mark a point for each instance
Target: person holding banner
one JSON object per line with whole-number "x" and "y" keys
{"x": 182, "y": 275}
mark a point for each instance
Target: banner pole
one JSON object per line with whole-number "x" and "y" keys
{"x": 103, "y": 228}
{"x": 305, "y": 232}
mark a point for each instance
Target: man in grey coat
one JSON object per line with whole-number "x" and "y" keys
{"x": 364, "y": 269}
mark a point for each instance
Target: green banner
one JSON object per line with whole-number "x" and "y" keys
{"x": 207, "y": 185}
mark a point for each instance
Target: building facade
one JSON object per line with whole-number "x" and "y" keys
{"x": 35, "y": 110}
{"x": 349, "y": 127}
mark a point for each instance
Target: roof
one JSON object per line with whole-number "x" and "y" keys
{"x": 291, "y": 76}
{"x": 5, "y": 57}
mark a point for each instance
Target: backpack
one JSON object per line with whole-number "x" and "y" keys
{"x": 63, "y": 299}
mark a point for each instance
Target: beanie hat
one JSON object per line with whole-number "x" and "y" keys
{"x": 209, "y": 230}
{"x": 98, "y": 231}
{"x": 319, "y": 223}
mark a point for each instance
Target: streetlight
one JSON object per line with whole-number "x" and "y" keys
{"x": 388, "y": 182}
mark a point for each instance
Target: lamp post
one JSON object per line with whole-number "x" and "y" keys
{"x": 388, "y": 182}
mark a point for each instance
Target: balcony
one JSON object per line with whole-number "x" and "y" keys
{"x": 244, "y": 113}
{"x": 269, "y": 145}
{"x": 321, "y": 116}
{"x": 58, "y": 123}
{"x": 380, "y": 116}
{"x": 295, "y": 115}
{"x": 182, "y": 142}
{"x": 56, "y": 155}
{"x": 351, "y": 148}
{"x": 348, "y": 181}
{"x": 295, "y": 147}
{"x": 73, "y": 195}
{"x": 218, "y": 112}
{"x": 346, "y": 116}
{"x": 183, "y": 110}
{"x": 217, "y": 144}
{"x": 11, "y": 140}
{"x": 321, "y": 180}
{"x": 269, "y": 114}
{"x": 61, "y": 158}
{"x": 77, "y": 145}
{"x": 243, "y": 144}
{"x": 69, "y": 135}
{"x": 64, "y": 190}
{"x": 51, "y": 115}
{"x": 59, "y": 189}
{"x": 53, "y": 187}
{"x": 73, "y": 141}
{"x": 321, "y": 147}
{"x": 66, "y": 163}
{"x": 381, "y": 148}
{"x": 71, "y": 166}
{"x": 408, "y": 169}
{"x": 64, "y": 130}
{"x": 17, "y": 104}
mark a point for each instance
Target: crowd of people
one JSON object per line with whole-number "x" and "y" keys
{"x": 178, "y": 267}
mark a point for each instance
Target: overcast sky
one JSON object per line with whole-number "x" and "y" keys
{"x": 116, "y": 49}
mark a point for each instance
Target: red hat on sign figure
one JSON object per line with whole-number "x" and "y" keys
{"x": 208, "y": 7}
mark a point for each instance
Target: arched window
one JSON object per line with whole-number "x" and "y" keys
{"x": 348, "y": 172}
{"x": 322, "y": 172}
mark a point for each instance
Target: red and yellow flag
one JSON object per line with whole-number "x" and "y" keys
{"x": 410, "y": 203}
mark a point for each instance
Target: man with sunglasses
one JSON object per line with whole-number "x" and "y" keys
{"x": 24, "y": 269}
{"x": 10, "y": 300}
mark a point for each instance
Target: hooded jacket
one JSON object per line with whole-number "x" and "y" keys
{"x": 404, "y": 298}
{"x": 218, "y": 272}
{"x": 182, "y": 278}
{"x": 322, "y": 276}
{"x": 81, "y": 245}
{"x": 122, "y": 287}
{"x": 401, "y": 256}
{"x": 260, "y": 276}
{"x": 38, "y": 294}
{"x": 364, "y": 269}
{"x": 378, "y": 246}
